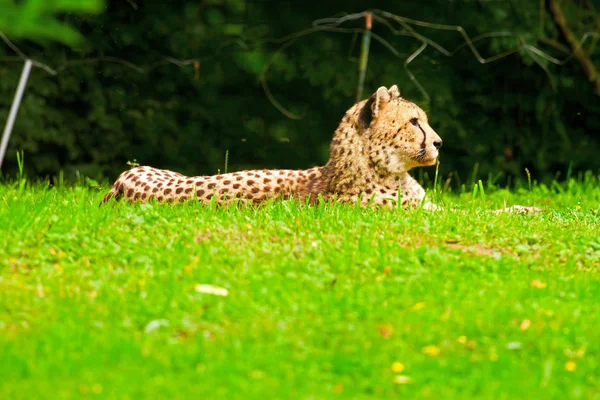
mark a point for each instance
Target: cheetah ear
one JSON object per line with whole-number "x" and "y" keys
{"x": 372, "y": 106}
{"x": 382, "y": 97}
{"x": 394, "y": 92}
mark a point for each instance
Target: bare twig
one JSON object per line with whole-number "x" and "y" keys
{"x": 265, "y": 85}
{"x": 578, "y": 52}
{"x": 93, "y": 60}
{"x": 334, "y": 25}
{"x": 588, "y": 4}
{"x": 555, "y": 44}
{"x": 410, "y": 74}
{"x": 386, "y": 19}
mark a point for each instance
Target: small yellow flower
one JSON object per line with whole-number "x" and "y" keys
{"x": 431, "y": 350}
{"x": 338, "y": 388}
{"x": 537, "y": 284}
{"x": 570, "y": 366}
{"x": 525, "y": 324}
{"x": 462, "y": 339}
{"x": 419, "y": 305}
{"x": 401, "y": 379}
{"x": 397, "y": 367}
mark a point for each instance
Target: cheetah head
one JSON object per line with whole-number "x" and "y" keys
{"x": 395, "y": 132}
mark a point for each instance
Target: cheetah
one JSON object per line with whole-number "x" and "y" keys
{"x": 375, "y": 145}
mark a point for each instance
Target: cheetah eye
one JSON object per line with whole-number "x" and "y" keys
{"x": 414, "y": 121}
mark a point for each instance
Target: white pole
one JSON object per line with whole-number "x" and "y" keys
{"x": 14, "y": 109}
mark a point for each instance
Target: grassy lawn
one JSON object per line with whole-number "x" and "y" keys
{"x": 321, "y": 302}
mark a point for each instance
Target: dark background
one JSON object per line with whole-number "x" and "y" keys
{"x": 496, "y": 119}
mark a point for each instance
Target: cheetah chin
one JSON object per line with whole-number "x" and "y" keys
{"x": 375, "y": 145}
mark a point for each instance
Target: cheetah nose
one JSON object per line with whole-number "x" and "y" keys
{"x": 437, "y": 144}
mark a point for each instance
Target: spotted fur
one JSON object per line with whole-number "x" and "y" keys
{"x": 377, "y": 142}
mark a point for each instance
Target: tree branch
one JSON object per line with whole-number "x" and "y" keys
{"x": 555, "y": 44}
{"x": 578, "y": 52}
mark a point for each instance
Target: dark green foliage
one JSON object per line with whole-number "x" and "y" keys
{"x": 504, "y": 116}
{"x": 35, "y": 19}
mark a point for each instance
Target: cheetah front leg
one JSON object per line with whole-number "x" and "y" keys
{"x": 414, "y": 194}
{"x": 378, "y": 200}
{"x": 429, "y": 206}
{"x": 389, "y": 202}
{"x": 519, "y": 209}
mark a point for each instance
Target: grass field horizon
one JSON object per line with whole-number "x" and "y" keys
{"x": 290, "y": 301}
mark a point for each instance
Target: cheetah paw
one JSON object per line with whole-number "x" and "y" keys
{"x": 520, "y": 209}
{"x": 429, "y": 206}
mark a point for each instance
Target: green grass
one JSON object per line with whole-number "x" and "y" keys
{"x": 323, "y": 302}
